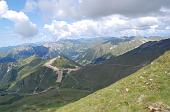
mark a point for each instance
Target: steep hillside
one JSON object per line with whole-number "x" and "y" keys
{"x": 37, "y": 88}
{"x": 94, "y": 77}
{"x": 34, "y": 74}
{"x": 12, "y": 73}
{"x": 8, "y": 74}
{"x": 33, "y": 77}
{"x": 147, "y": 90}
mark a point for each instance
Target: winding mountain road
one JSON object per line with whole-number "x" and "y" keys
{"x": 59, "y": 72}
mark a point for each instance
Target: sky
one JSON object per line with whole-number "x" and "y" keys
{"x": 29, "y": 21}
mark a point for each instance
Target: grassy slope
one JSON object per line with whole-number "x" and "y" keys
{"x": 134, "y": 93}
{"x": 64, "y": 63}
{"x": 30, "y": 64}
{"x": 42, "y": 78}
{"x": 95, "y": 77}
{"x": 50, "y": 100}
{"x": 26, "y": 67}
{"x": 32, "y": 76}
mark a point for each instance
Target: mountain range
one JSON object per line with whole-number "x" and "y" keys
{"x": 50, "y": 75}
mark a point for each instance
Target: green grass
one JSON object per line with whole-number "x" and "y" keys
{"x": 64, "y": 63}
{"x": 26, "y": 67}
{"x": 132, "y": 94}
{"x": 94, "y": 77}
{"x": 31, "y": 64}
{"x": 32, "y": 76}
{"x": 50, "y": 100}
{"x": 27, "y": 60}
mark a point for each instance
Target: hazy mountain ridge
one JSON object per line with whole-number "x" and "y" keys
{"x": 83, "y": 51}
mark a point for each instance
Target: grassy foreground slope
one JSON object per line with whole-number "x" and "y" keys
{"x": 46, "y": 101}
{"x": 139, "y": 92}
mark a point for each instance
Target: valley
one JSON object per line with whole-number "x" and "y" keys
{"x": 55, "y": 80}
{"x": 84, "y": 55}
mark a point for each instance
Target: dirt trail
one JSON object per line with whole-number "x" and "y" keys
{"x": 59, "y": 72}
{"x": 60, "y": 75}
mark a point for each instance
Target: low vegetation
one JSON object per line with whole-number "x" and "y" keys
{"x": 64, "y": 63}
{"x": 47, "y": 101}
{"x": 139, "y": 92}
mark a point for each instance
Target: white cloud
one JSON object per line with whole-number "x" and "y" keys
{"x": 52, "y": 9}
{"x": 79, "y": 9}
{"x": 130, "y": 8}
{"x": 165, "y": 10}
{"x": 30, "y": 5}
{"x": 3, "y": 7}
{"x": 114, "y": 25}
{"x": 144, "y": 23}
{"x": 104, "y": 17}
{"x": 23, "y": 25}
{"x": 15, "y": 16}
{"x": 148, "y": 21}
{"x": 26, "y": 28}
